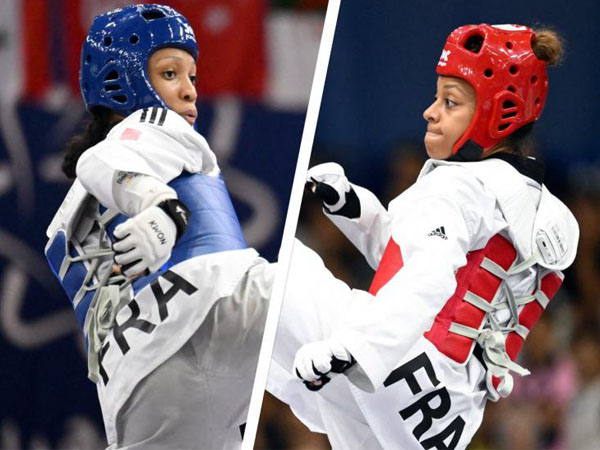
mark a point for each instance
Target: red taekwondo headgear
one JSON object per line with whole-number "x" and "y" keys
{"x": 510, "y": 82}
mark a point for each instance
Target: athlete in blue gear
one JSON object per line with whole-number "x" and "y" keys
{"x": 148, "y": 247}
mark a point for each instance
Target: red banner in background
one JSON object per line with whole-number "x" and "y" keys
{"x": 36, "y": 51}
{"x": 51, "y": 34}
{"x": 230, "y": 35}
{"x": 74, "y": 31}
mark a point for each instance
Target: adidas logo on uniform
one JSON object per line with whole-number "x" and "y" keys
{"x": 153, "y": 115}
{"x": 441, "y": 232}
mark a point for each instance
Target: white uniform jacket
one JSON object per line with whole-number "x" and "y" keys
{"x": 454, "y": 208}
{"x": 404, "y": 393}
{"x": 160, "y": 319}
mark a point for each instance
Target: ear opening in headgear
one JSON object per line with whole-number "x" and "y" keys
{"x": 113, "y": 86}
{"x": 153, "y": 14}
{"x": 509, "y": 109}
{"x": 111, "y": 76}
{"x": 120, "y": 99}
{"x": 474, "y": 43}
{"x": 111, "y": 81}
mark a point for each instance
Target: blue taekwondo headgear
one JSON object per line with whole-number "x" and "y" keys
{"x": 115, "y": 55}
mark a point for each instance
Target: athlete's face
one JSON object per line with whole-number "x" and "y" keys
{"x": 172, "y": 73}
{"x": 448, "y": 116}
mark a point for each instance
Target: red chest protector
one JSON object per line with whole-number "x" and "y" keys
{"x": 457, "y": 326}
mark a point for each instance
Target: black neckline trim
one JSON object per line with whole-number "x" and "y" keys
{"x": 530, "y": 167}
{"x": 468, "y": 152}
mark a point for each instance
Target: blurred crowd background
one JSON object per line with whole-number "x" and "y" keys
{"x": 257, "y": 59}
{"x": 255, "y": 71}
{"x": 381, "y": 77}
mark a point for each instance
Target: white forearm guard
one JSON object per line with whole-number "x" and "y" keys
{"x": 135, "y": 192}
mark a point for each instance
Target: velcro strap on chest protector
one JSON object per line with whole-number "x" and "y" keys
{"x": 478, "y": 283}
{"x": 547, "y": 287}
{"x": 95, "y": 291}
{"x": 82, "y": 272}
{"x": 467, "y": 317}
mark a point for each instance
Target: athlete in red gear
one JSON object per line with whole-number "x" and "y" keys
{"x": 466, "y": 260}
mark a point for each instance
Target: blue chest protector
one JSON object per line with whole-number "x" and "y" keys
{"x": 213, "y": 227}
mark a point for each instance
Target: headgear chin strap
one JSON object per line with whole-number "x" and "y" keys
{"x": 510, "y": 82}
{"x": 115, "y": 55}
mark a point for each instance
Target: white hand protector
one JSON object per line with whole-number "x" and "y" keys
{"x": 315, "y": 361}
{"x": 144, "y": 241}
{"x": 134, "y": 192}
{"x": 328, "y": 182}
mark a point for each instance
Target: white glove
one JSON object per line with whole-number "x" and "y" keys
{"x": 328, "y": 182}
{"x": 144, "y": 241}
{"x": 315, "y": 361}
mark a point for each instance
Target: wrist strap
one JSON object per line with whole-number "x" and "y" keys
{"x": 178, "y": 212}
{"x": 351, "y": 208}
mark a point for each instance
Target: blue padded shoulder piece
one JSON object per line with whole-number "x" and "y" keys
{"x": 213, "y": 227}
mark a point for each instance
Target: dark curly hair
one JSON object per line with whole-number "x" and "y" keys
{"x": 101, "y": 122}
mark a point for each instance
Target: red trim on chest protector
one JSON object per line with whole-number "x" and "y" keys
{"x": 471, "y": 277}
{"x": 529, "y": 315}
{"x": 474, "y": 278}
{"x": 391, "y": 262}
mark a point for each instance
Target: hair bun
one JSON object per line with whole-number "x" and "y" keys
{"x": 548, "y": 46}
